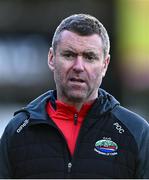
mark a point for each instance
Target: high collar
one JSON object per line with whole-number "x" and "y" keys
{"x": 37, "y": 108}
{"x": 68, "y": 111}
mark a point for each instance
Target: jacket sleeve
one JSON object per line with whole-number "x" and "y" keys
{"x": 5, "y": 142}
{"x": 143, "y": 159}
{"x": 5, "y": 171}
{"x": 139, "y": 128}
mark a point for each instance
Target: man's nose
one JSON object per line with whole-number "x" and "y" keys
{"x": 78, "y": 65}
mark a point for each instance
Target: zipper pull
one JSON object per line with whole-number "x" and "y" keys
{"x": 69, "y": 167}
{"x": 75, "y": 118}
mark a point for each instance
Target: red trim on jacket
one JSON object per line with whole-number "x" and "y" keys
{"x": 64, "y": 117}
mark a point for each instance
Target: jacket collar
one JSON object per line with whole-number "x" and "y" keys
{"x": 37, "y": 109}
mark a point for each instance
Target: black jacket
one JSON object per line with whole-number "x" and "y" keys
{"x": 113, "y": 143}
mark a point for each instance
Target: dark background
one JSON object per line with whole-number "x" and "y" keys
{"x": 26, "y": 30}
{"x": 31, "y": 24}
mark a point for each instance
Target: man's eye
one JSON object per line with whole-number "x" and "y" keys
{"x": 69, "y": 55}
{"x": 90, "y": 58}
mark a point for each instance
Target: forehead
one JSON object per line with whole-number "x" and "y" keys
{"x": 71, "y": 40}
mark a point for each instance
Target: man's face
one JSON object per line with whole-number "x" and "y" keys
{"x": 78, "y": 66}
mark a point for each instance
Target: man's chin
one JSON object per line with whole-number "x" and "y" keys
{"x": 76, "y": 97}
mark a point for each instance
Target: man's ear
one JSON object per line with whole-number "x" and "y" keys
{"x": 51, "y": 58}
{"x": 105, "y": 65}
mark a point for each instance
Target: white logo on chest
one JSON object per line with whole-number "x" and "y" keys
{"x": 119, "y": 127}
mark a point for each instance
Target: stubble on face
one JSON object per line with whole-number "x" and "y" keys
{"x": 68, "y": 90}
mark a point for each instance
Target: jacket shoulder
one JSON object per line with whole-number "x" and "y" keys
{"x": 131, "y": 120}
{"x": 16, "y": 123}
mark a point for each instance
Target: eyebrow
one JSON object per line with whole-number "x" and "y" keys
{"x": 90, "y": 53}
{"x": 68, "y": 51}
{"x": 87, "y": 52}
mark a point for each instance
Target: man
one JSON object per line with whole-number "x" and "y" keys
{"x": 77, "y": 130}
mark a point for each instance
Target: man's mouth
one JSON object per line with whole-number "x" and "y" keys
{"x": 77, "y": 80}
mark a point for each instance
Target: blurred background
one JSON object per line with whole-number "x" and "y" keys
{"x": 26, "y": 30}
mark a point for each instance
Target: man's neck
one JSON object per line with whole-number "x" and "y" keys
{"x": 77, "y": 105}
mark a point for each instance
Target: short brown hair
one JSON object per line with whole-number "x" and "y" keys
{"x": 84, "y": 25}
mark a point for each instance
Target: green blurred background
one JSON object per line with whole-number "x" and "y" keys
{"x": 26, "y": 30}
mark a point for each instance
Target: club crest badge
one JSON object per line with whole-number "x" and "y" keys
{"x": 106, "y": 146}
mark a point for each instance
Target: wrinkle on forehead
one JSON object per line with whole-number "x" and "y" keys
{"x": 79, "y": 44}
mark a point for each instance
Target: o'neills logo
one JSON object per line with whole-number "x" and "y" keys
{"x": 22, "y": 126}
{"x": 106, "y": 147}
